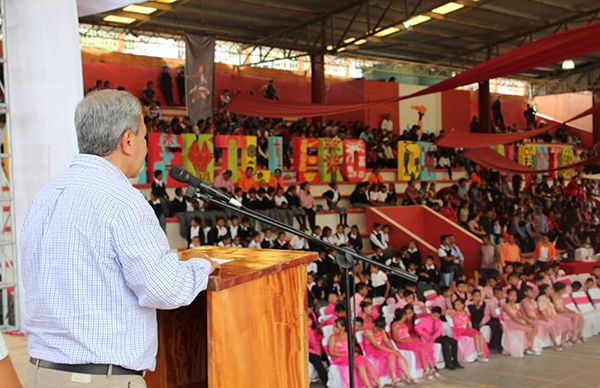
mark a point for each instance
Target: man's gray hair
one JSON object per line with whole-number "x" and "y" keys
{"x": 102, "y": 117}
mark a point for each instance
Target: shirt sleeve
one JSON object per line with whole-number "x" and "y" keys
{"x": 158, "y": 278}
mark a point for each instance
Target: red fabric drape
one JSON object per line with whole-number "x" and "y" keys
{"x": 460, "y": 139}
{"x": 552, "y": 49}
{"x": 489, "y": 158}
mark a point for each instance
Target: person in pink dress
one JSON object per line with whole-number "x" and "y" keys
{"x": 365, "y": 375}
{"x": 461, "y": 327}
{"x": 547, "y": 310}
{"x": 577, "y": 321}
{"x": 545, "y": 327}
{"x": 518, "y": 334}
{"x": 388, "y": 360}
{"x": 405, "y": 339}
{"x": 332, "y": 299}
{"x": 366, "y": 313}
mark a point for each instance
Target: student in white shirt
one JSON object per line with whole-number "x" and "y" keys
{"x": 340, "y": 238}
{"x": 256, "y": 241}
{"x": 299, "y": 244}
{"x": 376, "y": 237}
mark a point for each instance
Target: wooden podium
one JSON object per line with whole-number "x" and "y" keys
{"x": 248, "y": 330}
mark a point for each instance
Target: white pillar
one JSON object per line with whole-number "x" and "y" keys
{"x": 44, "y": 86}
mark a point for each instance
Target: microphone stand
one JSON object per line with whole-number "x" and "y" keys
{"x": 346, "y": 258}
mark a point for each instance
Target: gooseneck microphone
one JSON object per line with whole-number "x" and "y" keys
{"x": 182, "y": 175}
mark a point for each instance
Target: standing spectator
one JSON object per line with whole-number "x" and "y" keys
{"x": 224, "y": 99}
{"x": 509, "y": 251}
{"x": 294, "y": 204}
{"x": 488, "y": 257}
{"x": 474, "y": 125}
{"x": 545, "y": 252}
{"x": 307, "y": 203}
{"x": 166, "y": 85}
{"x": 529, "y": 115}
{"x": 180, "y": 79}
{"x": 497, "y": 112}
{"x": 269, "y": 91}
{"x": 148, "y": 93}
{"x": 446, "y": 257}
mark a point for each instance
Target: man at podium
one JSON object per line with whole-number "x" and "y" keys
{"x": 95, "y": 262}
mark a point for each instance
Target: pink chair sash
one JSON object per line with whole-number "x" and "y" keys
{"x": 581, "y": 300}
{"x": 431, "y": 296}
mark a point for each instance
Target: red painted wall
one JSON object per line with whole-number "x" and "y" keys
{"x": 374, "y": 90}
{"x": 346, "y": 93}
{"x": 456, "y": 110}
{"x": 428, "y": 226}
{"x": 512, "y": 108}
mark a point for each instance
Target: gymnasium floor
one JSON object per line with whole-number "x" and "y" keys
{"x": 576, "y": 367}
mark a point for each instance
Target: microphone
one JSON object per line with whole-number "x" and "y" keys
{"x": 182, "y": 175}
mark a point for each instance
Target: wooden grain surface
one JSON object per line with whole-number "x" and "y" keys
{"x": 258, "y": 335}
{"x": 248, "y": 330}
{"x": 248, "y": 264}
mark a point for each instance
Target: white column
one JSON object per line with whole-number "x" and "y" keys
{"x": 44, "y": 86}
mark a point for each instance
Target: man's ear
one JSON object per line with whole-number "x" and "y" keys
{"x": 126, "y": 142}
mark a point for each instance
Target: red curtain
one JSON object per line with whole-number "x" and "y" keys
{"x": 552, "y": 49}
{"x": 460, "y": 139}
{"x": 489, "y": 158}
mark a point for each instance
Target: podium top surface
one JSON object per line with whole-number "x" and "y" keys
{"x": 248, "y": 264}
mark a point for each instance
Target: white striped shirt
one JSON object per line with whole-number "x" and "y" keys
{"x": 95, "y": 267}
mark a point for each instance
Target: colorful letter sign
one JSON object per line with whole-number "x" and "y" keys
{"x": 354, "y": 168}
{"x": 331, "y": 158}
{"x": 198, "y": 155}
{"x": 238, "y": 153}
{"x": 275, "y": 153}
{"x": 305, "y": 156}
{"x": 409, "y": 159}
{"x": 164, "y": 151}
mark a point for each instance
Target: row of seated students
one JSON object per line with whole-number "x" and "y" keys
{"x": 517, "y": 313}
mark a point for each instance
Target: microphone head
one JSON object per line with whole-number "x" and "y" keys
{"x": 180, "y": 174}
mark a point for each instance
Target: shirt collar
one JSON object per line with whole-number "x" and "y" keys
{"x": 99, "y": 163}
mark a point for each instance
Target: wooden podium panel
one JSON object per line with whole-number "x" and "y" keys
{"x": 248, "y": 330}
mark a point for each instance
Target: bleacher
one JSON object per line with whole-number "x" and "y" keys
{"x": 325, "y": 217}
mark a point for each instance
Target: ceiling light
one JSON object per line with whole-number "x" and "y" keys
{"x": 341, "y": 49}
{"x": 349, "y": 40}
{"x": 139, "y": 9}
{"x": 447, "y": 8}
{"x": 387, "y": 31}
{"x": 359, "y": 42}
{"x": 415, "y": 20}
{"x": 329, "y": 47}
{"x": 119, "y": 19}
{"x": 568, "y": 64}
{"x": 166, "y": 1}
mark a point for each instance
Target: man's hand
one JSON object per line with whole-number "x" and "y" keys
{"x": 214, "y": 266}
{"x": 192, "y": 254}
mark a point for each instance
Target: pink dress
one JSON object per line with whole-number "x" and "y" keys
{"x": 576, "y": 319}
{"x": 423, "y": 350}
{"x": 382, "y": 359}
{"x": 341, "y": 347}
{"x": 460, "y": 329}
{"x": 544, "y": 328}
{"x": 563, "y": 323}
{"x": 314, "y": 341}
{"x": 514, "y": 335}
